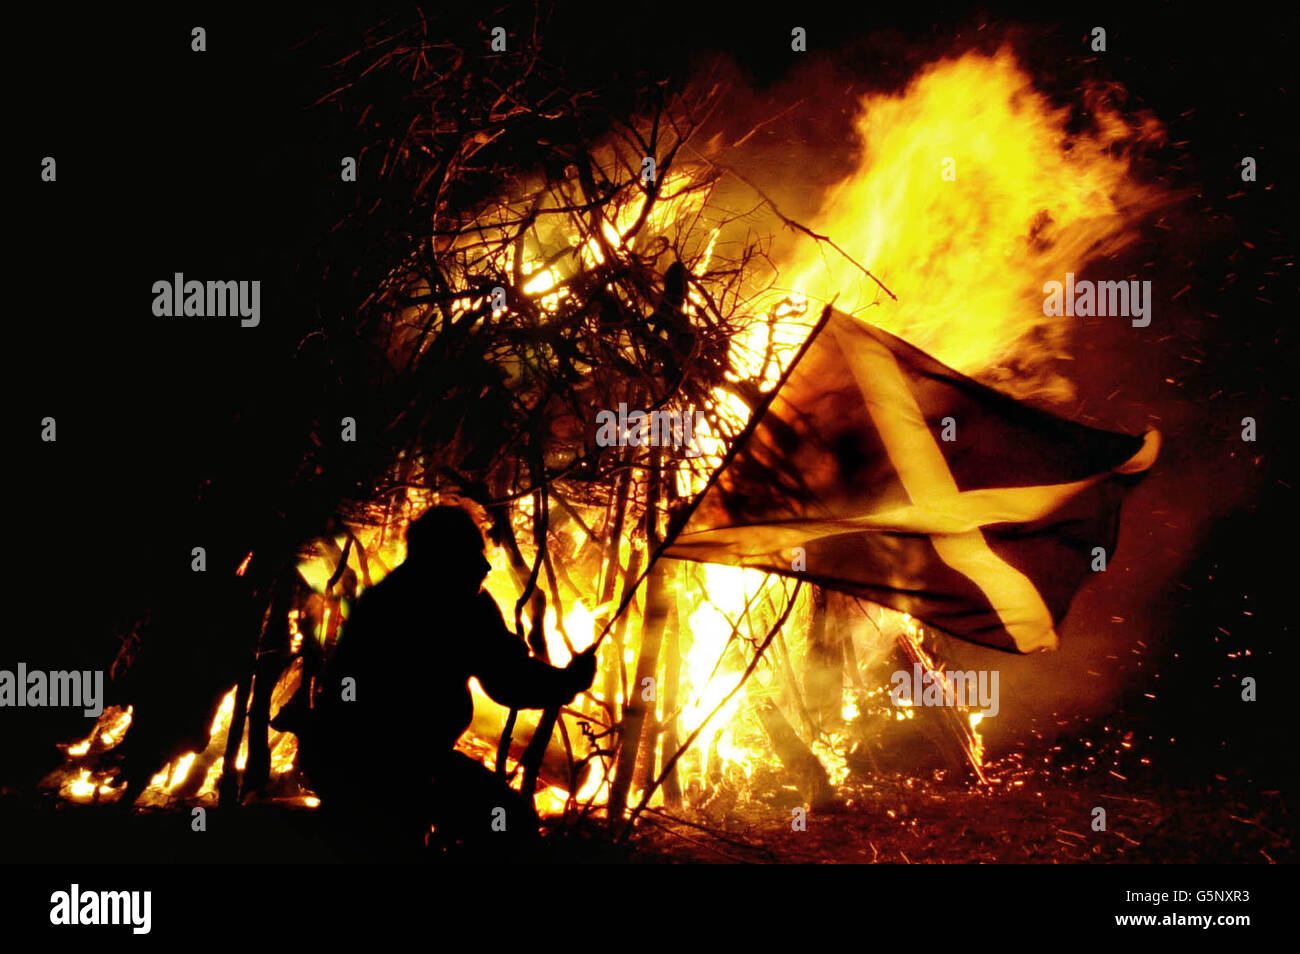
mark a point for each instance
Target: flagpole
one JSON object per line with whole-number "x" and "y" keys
{"x": 671, "y": 536}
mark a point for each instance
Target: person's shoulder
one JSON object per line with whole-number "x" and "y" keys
{"x": 391, "y": 589}
{"x": 487, "y": 616}
{"x": 486, "y": 605}
{"x": 374, "y": 608}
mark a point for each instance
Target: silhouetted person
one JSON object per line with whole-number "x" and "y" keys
{"x": 394, "y": 698}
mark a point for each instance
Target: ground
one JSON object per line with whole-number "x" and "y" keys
{"x": 913, "y": 822}
{"x": 905, "y": 821}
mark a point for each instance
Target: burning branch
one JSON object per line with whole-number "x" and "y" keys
{"x": 690, "y": 739}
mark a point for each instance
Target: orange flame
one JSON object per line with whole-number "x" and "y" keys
{"x": 970, "y": 194}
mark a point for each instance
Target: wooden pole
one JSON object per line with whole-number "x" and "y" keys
{"x": 613, "y": 661}
{"x": 650, "y": 731}
{"x": 531, "y": 760}
{"x": 644, "y": 694}
{"x": 795, "y": 755}
{"x": 273, "y": 649}
{"x": 228, "y": 789}
{"x": 823, "y": 672}
{"x": 504, "y": 534}
{"x": 672, "y": 679}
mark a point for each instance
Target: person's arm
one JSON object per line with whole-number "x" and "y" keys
{"x": 514, "y": 678}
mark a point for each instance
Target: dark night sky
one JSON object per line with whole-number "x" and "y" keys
{"x": 207, "y": 164}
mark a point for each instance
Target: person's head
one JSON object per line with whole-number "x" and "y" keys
{"x": 445, "y": 541}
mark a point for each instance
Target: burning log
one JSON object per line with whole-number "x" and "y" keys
{"x": 613, "y": 660}
{"x": 185, "y": 665}
{"x": 652, "y": 731}
{"x": 823, "y": 668}
{"x": 228, "y": 792}
{"x": 271, "y": 662}
{"x": 504, "y": 534}
{"x": 759, "y": 650}
{"x": 637, "y": 710}
{"x": 672, "y": 676}
{"x": 619, "y": 699}
{"x": 790, "y": 682}
{"x": 796, "y": 756}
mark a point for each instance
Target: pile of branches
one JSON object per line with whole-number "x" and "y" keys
{"x": 521, "y": 248}
{"x": 509, "y": 270}
{"x": 523, "y": 251}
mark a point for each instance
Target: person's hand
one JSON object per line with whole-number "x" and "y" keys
{"x": 583, "y": 669}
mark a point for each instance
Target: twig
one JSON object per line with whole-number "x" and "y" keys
{"x": 690, "y": 740}
{"x": 816, "y": 236}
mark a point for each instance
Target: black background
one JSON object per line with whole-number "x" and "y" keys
{"x": 212, "y": 164}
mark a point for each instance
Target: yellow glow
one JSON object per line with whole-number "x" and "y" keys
{"x": 967, "y": 256}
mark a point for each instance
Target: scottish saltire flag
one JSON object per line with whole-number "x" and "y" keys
{"x": 877, "y": 471}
